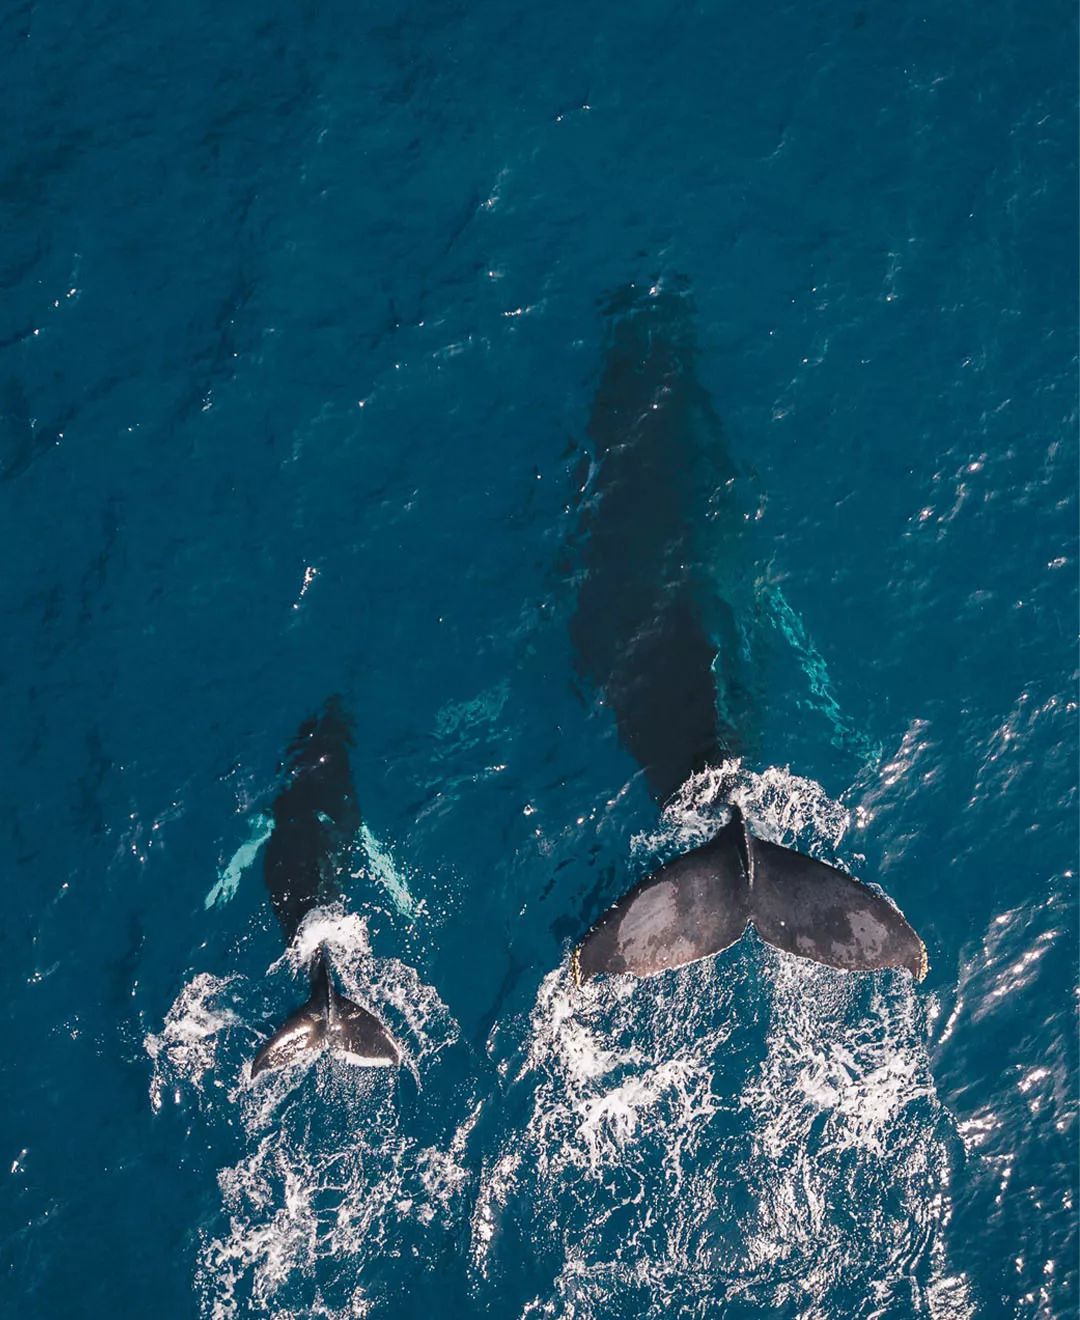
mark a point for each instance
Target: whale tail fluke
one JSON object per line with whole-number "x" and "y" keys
{"x": 328, "y": 1021}
{"x": 811, "y": 909}
{"x": 701, "y": 903}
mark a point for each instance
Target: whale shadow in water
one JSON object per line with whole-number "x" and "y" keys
{"x": 658, "y": 643}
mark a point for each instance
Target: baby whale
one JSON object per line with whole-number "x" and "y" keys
{"x": 650, "y": 635}
{"x": 315, "y": 820}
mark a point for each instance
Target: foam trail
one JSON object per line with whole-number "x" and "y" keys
{"x": 750, "y": 1131}
{"x": 849, "y": 1140}
{"x": 332, "y": 1192}
{"x": 622, "y": 1103}
{"x": 185, "y": 1051}
{"x": 311, "y": 1222}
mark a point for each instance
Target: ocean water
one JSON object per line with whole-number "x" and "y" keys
{"x": 300, "y": 328}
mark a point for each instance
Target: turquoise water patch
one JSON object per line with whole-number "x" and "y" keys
{"x": 845, "y": 734}
{"x": 382, "y": 867}
{"x": 261, "y": 827}
{"x": 385, "y": 871}
{"x": 459, "y": 721}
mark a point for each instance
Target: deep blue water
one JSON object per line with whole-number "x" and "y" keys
{"x": 300, "y": 328}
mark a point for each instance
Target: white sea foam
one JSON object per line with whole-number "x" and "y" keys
{"x": 668, "y": 1161}
{"x": 331, "y": 1181}
{"x": 607, "y": 1080}
{"x": 185, "y": 1052}
{"x": 305, "y": 1215}
{"x": 781, "y": 806}
{"x": 851, "y": 1156}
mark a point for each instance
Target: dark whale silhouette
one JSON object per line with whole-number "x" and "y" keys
{"x": 315, "y": 822}
{"x": 651, "y": 636}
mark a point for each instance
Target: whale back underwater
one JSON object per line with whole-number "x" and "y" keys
{"x": 649, "y": 637}
{"x": 315, "y": 822}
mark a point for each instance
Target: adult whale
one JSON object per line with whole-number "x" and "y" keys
{"x": 650, "y": 636}
{"x": 315, "y": 821}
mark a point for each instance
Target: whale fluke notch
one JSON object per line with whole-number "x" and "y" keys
{"x": 328, "y": 1021}
{"x": 701, "y": 903}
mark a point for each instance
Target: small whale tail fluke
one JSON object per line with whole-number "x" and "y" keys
{"x": 328, "y": 1021}
{"x": 700, "y": 903}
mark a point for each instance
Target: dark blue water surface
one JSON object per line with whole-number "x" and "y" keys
{"x": 301, "y": 324}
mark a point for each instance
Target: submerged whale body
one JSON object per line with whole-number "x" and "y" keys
{"x": 651, "y": 638}
{"x": 315, "y": 821}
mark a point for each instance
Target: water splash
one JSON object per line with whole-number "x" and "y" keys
{"x": 329, "y": 1178}
{"x": 780, "y": 806}
{"x": 185, "y": 1051}
{"x": 621, "y": 1104}
{"x": 310, "y": 1215}
{"x": 852, "y": 1154}
{"x": 679, "y": 1155}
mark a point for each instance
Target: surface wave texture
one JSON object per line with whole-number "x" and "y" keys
{"x": 302, "y": 318}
